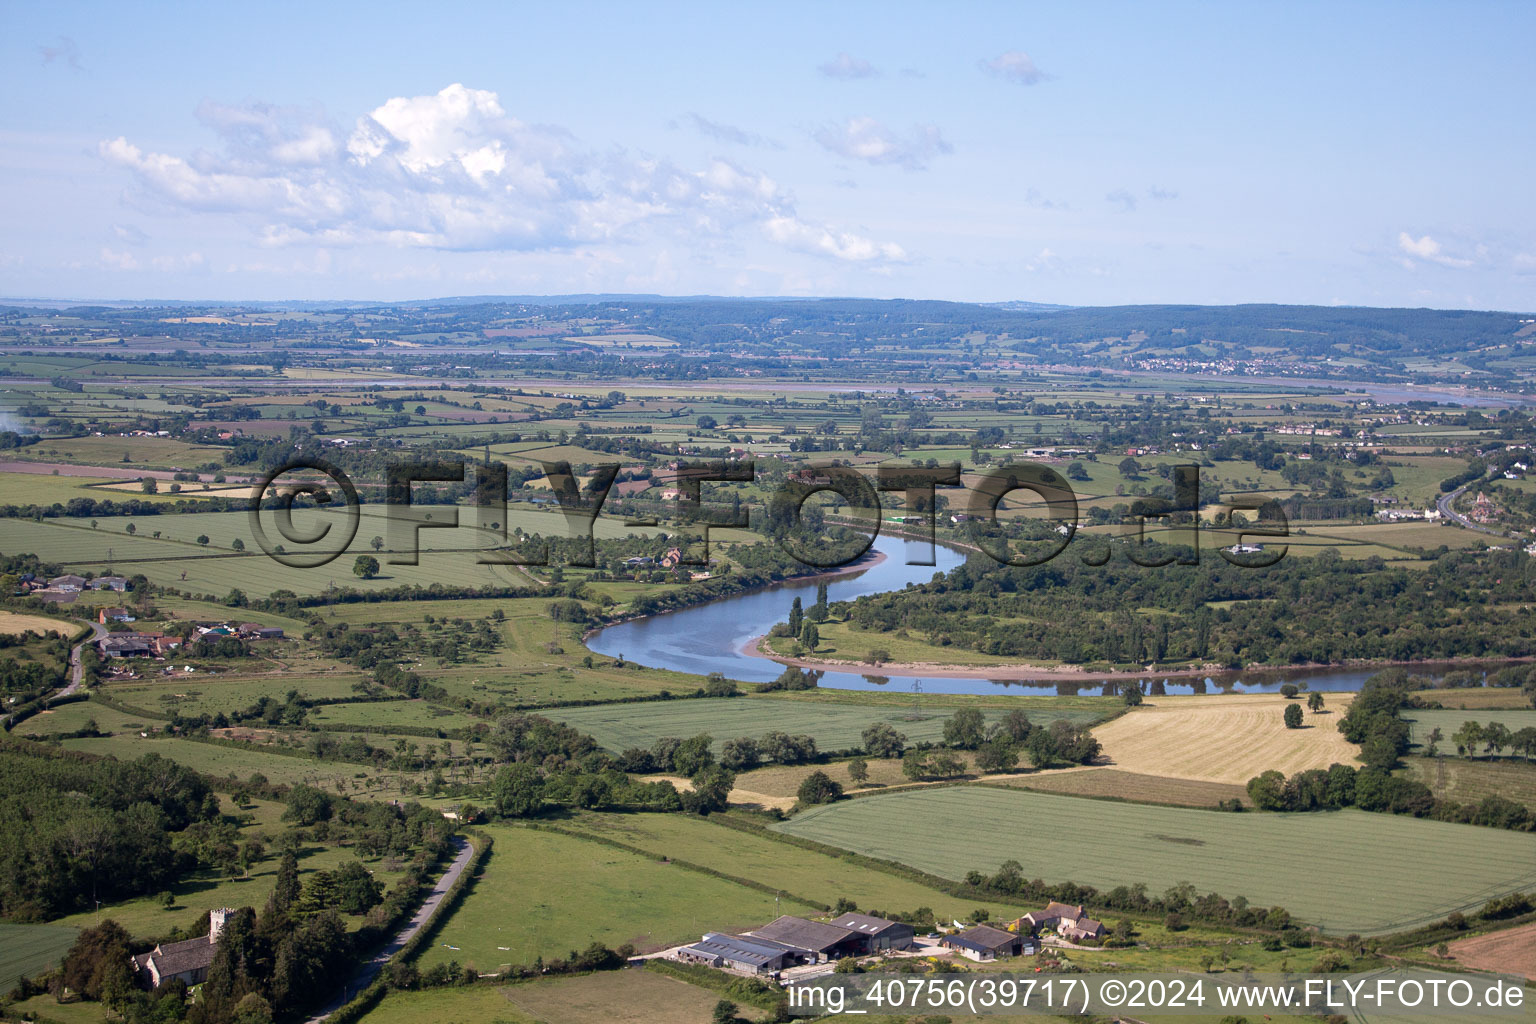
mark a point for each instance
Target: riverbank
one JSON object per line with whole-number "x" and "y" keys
{"x": 1024, "y": 672}
{"x": 868, "y": 560}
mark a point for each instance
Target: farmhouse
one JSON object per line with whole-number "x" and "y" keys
{"x": 69, "y": 583}
{"x": 107, "y": 615}
{"x": 256, "y": 631}
{"x": 812, "y": 939}
{"x": 186, "y": 961}
{"x": 1069, "y": 921}
{"x": 981, "y": 942}
{"x": 877, "y": 932}
{"x": 117, "y": 583}
{"x": 748, "y": 954}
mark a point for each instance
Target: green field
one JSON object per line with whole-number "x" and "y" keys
{"x": 387, "y": 714}
{"x": 1347, "y": 871}
{"x": 818, "y": 877}
{"x": 835, "y": 726}
{"x": 545, "y": 894}
{"x": 1468, "y": 781}
{"x": 26, "y": 949}
{"x": 72, "y": 717}
{"x": 612, "y": 997}
{"x": 1451, "y": 719}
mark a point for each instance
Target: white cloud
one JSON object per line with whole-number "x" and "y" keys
{"x": 847, "y": 66}
{"x": 797, "y": 234}
{"x": 722, "y": 132}
{"x": 455, "y": 171}
{"x": 1016, "y": 66}
{"x": 864, "y": 138}
{"x": 1428, "y": 250}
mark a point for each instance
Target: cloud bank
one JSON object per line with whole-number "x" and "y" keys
{"x": 455, "y": 171}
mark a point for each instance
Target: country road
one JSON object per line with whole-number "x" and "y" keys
{"x": 1445, "y": 503}
{"x": 364, "y": 975}
{"x": 76, "y": 668}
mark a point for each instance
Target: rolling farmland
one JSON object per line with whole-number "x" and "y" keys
{"x": 1227, "y": 738}
{"x": 28, "y": 949}
{"x": 835, "y": 726}
{"x": 543, "y": 894}
{"x": 1364, "y": 873}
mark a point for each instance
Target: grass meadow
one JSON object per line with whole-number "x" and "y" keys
{"x": 1346, "y": 871}
{"x": 835, "y": 726}
{"x": 818, "y": 877}
{"x": 543, "y": 894}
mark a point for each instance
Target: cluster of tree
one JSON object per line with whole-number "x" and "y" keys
{"x": 792, "y": 679}
{"x": 776, "y": 747}
{"x": 74, "y": 830}
{"x": 1183, "y": 899}
{"x": 1373, "y": 788}
{"x": 1336, "y": 608}
{"x": 1374, "y": 719}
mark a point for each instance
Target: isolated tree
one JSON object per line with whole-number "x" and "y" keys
{"x": 1129, "y": 468}
{"x": 819, "y": 788}
{"x": 1293, "y": 716}
{"x": 858, "y": 770}
{"x": 1131, "y": 694}
{"x": 1314, "y": 702}
{"x": 810, "y": 636}
{"x": 365, "y": 567}
{"x": 237, "y": 544}
{"x": 377, "y": 543}
{"x": 796, "y": 617}
{"x": 202, "y": 538}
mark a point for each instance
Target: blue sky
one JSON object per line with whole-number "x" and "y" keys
{"x": 1372, "y": 154}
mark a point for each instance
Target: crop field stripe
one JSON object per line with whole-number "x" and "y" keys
{"x": 27, "y": 949}
{"x": 835, "y": 726}
{"x": 1366, "y": 873}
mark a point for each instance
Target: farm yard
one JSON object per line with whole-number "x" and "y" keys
{"x": 1226, "y": 738}
{"x": 1364, "y": 872}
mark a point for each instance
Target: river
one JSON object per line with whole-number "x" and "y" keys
{"x": 711, "y": 637}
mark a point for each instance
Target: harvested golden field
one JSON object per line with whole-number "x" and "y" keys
{"x": 1224, "y": 738}
{"x": 1508, "y": 952}
{"x": 1123, "y": 785}
{"x": 12, "y": 622}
